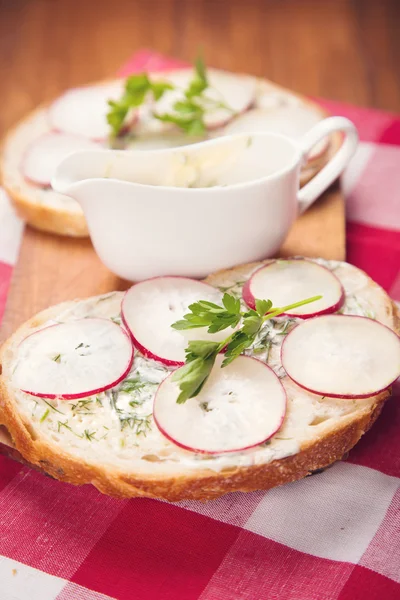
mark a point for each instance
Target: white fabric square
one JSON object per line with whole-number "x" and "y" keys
{"x": 333, "y": 515}
{"x": 19, "y": 582}
{"x": 73, "y": 591}
{"x": 11, "y": 228}
{"x": 356, "y": 167}
{"x": 372, "y": 186}
{"x": 378, "y": 556}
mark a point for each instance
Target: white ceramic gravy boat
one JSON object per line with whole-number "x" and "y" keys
{"x": 198, "y": 208}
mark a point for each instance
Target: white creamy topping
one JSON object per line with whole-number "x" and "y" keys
{"x": 118, "y": 425}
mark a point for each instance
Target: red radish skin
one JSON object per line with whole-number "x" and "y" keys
{"x": 147, "y": 353}
{"x": 339, "y": 396}
{"x": 54, "y": 117}
{"x": 137, "y": 344}
{"x": 46, "y": 183}
{"x": 85, "y": 394}
{"x": 198, "y": 451}
{"x": 241, "y": 99}
{"x": 249, "y": 298}
{"x": 142, "y": 349}
{"x": 215, "y": 452}
{"x": 127, "y": 127}
{"x": 223, "y": 123}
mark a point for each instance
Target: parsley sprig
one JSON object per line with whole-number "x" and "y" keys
{"x": 201, "y": 355}
{"x": 137, "y": 89}
{"x": 188, "y": 112}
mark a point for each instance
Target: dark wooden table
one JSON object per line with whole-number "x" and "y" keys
{"x": 347, "y": 50}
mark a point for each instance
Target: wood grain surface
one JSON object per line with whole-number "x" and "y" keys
{"x": 345, "y": 50}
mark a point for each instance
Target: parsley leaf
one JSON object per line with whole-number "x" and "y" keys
{"x": 187, "y": 113}
{"x": 201, "y": 355}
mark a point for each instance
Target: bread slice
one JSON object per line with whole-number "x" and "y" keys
{"x": 47, "y": 210}
{"x": 316, "y": 431}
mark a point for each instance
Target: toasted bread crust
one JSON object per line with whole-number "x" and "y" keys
{"x": 202, "y": 484}
{"x": 47, "y": 218}
{"x": 58, "y": 220}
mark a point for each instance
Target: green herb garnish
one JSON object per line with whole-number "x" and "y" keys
{"x": 188, "y": 112}
{"x": 89, "y": 435}
{"x": 57, "y": 358}
{"x": 140, "y": 425}
{"x": 201, "y": 355}
{"x": 131, "y": 385}
{"x": 137, "y": 89}
{"x": 44, "y": 416}
{"x": 52, "y": 407}
{"x": 65, "y": 424}
{"x": 81, "y": 406}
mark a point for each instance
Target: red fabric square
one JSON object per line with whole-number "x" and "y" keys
{"x": 364, "y": 584}
{"x": 380, "y": 448}
{"x": 8, "y": 470}
{"x": 376, "y": 251}
{"x": 155, "y": 550}
{"x": 371, "y": 124}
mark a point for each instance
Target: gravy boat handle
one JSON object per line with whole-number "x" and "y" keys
{"x": 335, "y": 166}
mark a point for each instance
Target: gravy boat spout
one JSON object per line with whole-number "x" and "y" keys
{"x": 190, "y": 210}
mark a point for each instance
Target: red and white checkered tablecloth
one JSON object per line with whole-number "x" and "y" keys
{"x": 334, "y": 536}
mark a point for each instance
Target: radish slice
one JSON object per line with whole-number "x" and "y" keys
{"x": 82, "y": 111}
{"x": 240, "y": 406}
{"x": 150, "y": 307}
{"x": 44, "y": 155}
{"x": 293, "y": 121}
{"x": 73, "y": 360}
{"x": 342, "y": 356}
{"x": 236, "y": 91}
{"x": 288, "y": 281}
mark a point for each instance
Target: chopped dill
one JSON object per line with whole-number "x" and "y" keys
{"x": 135, "y": 403}
{"x": 284, "y": 330}
{"x": 45, "y": 415}
{"x": 113, "y": 397}
{"x": 81, "y": 406}
{"x": 53, "y": 407}
{"x": 83, "y": 346}
{"x": 131, "y": 385}
{"x": 61, "y": 424}
{"x": 262, "y": 345}
{"x": 140, "y": 425}
{"x": 57, "y": 358}
{"x": 89, "y": 435}
{"x": 230, "y": 289}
